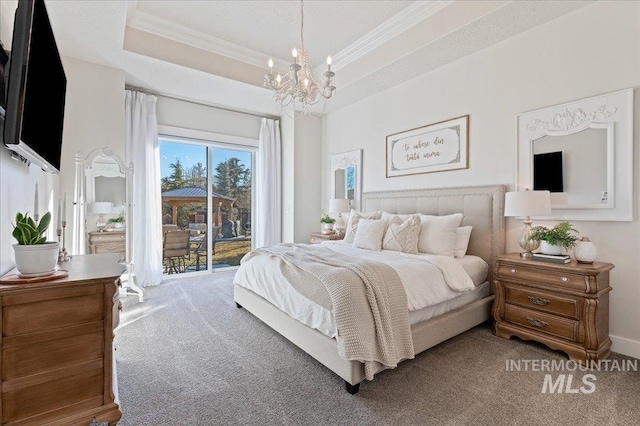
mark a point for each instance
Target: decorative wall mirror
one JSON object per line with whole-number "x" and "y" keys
{"x": 582, "y": 152}
{"x": 346, "y": 177}
{"x": 104, "y": 191}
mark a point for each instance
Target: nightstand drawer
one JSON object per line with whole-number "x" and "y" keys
{"x": 549, "y": 324}
{"x": 317, "y": 240}
{"x": 542, "y": 301}
{"x": 538, "y": 275}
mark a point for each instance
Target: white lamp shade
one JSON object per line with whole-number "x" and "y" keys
{"x": 102, "y": 207}
{"x": 527, "y": 203}
{"x": 339, "y": 205}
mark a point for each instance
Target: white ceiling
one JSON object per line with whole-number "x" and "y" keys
{"x": 196, "y": 49}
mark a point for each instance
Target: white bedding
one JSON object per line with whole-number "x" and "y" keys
{"x": 424, "y": 283}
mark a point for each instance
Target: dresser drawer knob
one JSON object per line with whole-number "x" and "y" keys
{"x": 537, "y": 323}
{"x": 564, "y": 279}
{"x": 119, "y": 305}
{"x": 513, "y": 271}
{"x": 538, "y": 300}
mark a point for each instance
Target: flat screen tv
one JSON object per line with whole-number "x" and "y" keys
{"x": 36, "y": 87}
{"x": 547, "y": 172}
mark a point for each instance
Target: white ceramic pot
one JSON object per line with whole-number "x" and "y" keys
{"x": 585, "y": 251}
{"x": 36, "y": 260}
{"x": 547, "y": 248}
{"x": 327, "y": 228}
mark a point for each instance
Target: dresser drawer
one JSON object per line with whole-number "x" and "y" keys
{"x": 537, "y": 275}
{"x": 106, "y": 237}
{"x": 543, "y": 301}
{"x": 549, "y": 324}
{"x": 109, "y": 248}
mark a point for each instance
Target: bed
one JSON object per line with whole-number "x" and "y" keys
{"x": 482, "y": 207}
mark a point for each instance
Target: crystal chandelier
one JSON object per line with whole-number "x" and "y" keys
{"x": 298, "y": 87}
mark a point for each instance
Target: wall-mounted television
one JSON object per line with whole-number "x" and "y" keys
{"x": 35, "y": 89}
{"x": 547, "y": 172}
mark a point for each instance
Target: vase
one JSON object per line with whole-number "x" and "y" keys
{"x": 585, "y": 251}
{"x": 36, "y": 260}
{"x": 547, "y": 248}
{"x": 327, "y": 228}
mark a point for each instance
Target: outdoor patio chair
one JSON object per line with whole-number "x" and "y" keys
{"x": 201, "y": 249}
{"x": 175, "y": 251}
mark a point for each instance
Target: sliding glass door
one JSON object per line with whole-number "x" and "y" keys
{"x": 207, "y": 195}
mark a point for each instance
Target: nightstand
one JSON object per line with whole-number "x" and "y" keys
{"x": 317, "y": 238}
{"x": 565, "y": 307}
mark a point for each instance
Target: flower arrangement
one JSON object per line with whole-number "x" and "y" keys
{"x": 559, "y": 235}
{"x": 28, "y": 232}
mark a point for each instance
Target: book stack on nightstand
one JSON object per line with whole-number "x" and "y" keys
{"x": 317, "y": 238}
{"x": 553, "y": 258}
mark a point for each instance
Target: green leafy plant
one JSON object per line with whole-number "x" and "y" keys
{"x": 28, "y": 232}
{"x": 119, "y": 219}
{"x": 559, "y": 235}
{"x": 327, "y": 219}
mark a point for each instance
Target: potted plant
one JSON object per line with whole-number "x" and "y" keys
{"x": 34, "y": 255}
{"x": 118, "y": 222}
{"x": 554, "y": 240}
{"x": 327, "y": 224}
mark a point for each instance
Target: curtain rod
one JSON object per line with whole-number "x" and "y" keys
{"x": 166, "y": 95}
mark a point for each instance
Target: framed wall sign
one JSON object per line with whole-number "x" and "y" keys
{"x": 432, "y": 148}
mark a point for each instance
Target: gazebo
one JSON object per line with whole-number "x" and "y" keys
{"x": 181, "y": 196}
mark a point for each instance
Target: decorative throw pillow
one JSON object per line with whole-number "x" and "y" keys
{"x": 388, "y": 217}
{"x": 438, "y": 234}
{"x": 369, "y": 234}
{"x": 402, "y": 235}
{"x": 463, "y": 235}
{"x": 352, "y": 225}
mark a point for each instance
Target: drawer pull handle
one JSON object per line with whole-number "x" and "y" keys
{"x": 513, "y": 271}
{"x": 119, "y": 305}
{"x": 538, "y": 300}
{"x": 564, "y": 279}
{"x": 537, "y": 323}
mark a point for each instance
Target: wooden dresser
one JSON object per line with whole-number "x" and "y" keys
{"x": 107, "y": 242}
{"x": 317, "y": 237}
{"x": 565, "y": 307}
{"x": 57, "y": 346}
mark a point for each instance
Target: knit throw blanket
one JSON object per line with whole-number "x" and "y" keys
{"x": 367, "y": 298}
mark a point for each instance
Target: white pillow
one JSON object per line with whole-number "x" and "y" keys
{"x": 463, "y": 235}
{"x": 388, "y": 217}
{"x": 438, "y": 234}
{"x": 352, "y": 225}
{"x": 402, "y": 235}
{"x": 369, "y": 234}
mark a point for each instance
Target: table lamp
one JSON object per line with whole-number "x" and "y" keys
{"x": 527, "y": 203}
{"x": 101, "y": 208}
{"x": 339, "y": 205}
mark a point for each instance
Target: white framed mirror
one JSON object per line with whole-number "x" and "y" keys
{"x": 346, "y": 177}
{"x": 582, "y": 152}
{"x": 104, "y": 189}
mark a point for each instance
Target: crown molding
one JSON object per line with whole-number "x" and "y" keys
{"x": 389, "y": 29}
{"x": 161, "y": 27}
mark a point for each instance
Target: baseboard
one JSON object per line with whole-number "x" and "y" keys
{"x": 625, "y": 346}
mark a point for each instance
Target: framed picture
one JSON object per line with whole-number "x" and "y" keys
{"x": 432, "y": 148}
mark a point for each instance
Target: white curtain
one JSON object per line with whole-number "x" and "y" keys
{"x": 268, "y": 227}
{"x": 142, "y": 151}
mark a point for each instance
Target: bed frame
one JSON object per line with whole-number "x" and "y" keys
{"x": 483, "y": 208}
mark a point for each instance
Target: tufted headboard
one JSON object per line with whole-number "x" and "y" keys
{"x": 482, "y": 206}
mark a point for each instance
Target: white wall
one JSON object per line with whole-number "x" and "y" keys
{"x": 93, "y": 118}
{"x": 591, "y": 51}
{"x": 307, "y": 186}
{"x": 189, "y": 115}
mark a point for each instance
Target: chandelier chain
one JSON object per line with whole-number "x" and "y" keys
{"x": 302, "y": 23}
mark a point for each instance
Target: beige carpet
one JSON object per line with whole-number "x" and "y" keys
{"x": 187, "y": 356}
